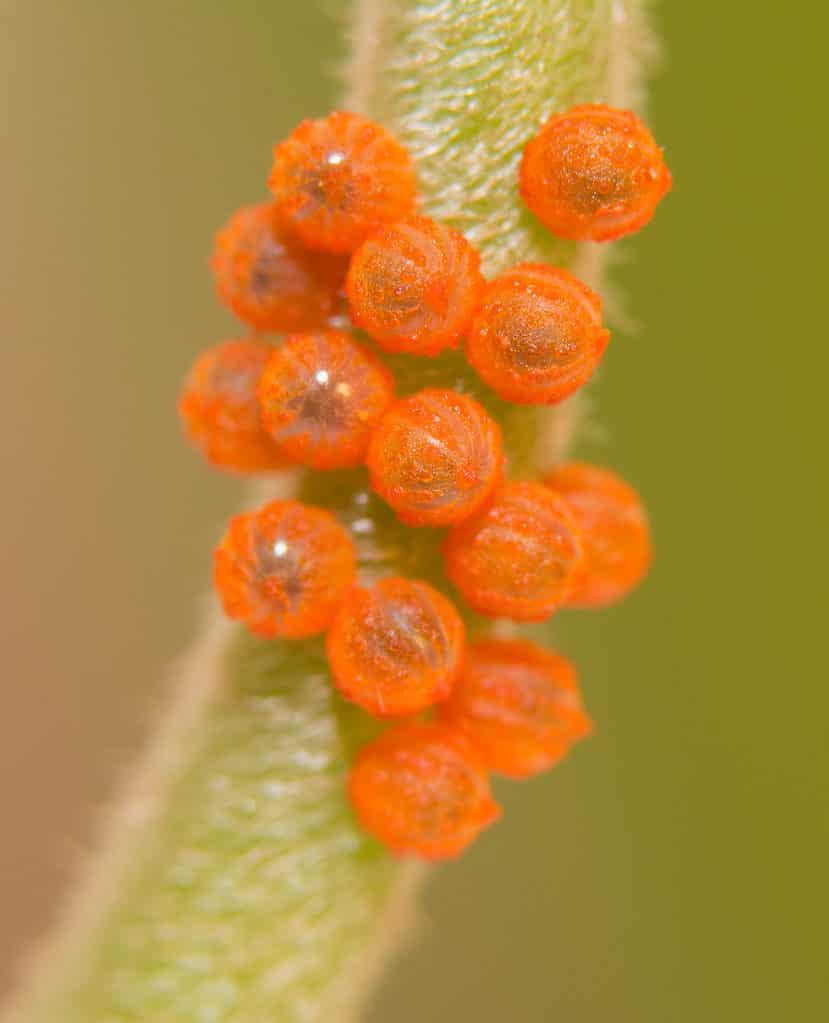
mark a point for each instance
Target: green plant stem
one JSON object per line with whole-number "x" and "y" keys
{"x": 234, "y": 886}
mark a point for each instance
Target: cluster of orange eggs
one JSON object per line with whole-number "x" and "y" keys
{"x": 341, "y": 238}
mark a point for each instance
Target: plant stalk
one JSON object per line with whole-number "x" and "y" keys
{"x": 234, "y": 885}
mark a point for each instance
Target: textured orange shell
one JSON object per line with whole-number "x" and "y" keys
{"x": 321, "y": 395}
{"x": 519, "y": 557}
{"x": 594, "y": 174}
{"x": 284, "y": 569}
{"x": 335, "y": 181}
{"x": 615, "y": 532}
{"x": 219, "y": 409}
{"x": 395, "y": 648}
{"x": 268, "y": 279}
{"x": 520, "y": 705}
{"x": 422, "y": 790}
{"x": 537, "y": 335}
{"x": 435, "y": 457}
{"x": 414, "y": 286}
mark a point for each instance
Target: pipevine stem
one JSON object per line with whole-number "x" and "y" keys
{"x": 234, "y": 885}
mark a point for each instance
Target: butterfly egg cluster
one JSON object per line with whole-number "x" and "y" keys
{"x": 342, "y": 239}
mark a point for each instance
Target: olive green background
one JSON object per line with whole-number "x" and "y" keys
{"x": 673, "y": 869}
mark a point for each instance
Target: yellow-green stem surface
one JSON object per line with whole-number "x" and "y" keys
{"x": 235, "y": 886}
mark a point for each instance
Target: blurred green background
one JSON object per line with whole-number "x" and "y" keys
{"x": 674, "y": 868}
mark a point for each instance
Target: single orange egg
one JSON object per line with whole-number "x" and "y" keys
{"x": 395, "y": 648}
{"x": 284, "y": 569}
{"x": 537, "y": 335}
{"x": 268, "y": 279}
{"x": 435, "y": 457}
{"x": 594, "y": 174}
{"x": 518, "y": 557}
{"x": 321, "y": 395}
{"x": 220, "y": 412}
{"x": 615, "y": 532}
{"x": 337, "y": 180}
{"x": 414, "y": 286}
{"x": 422, "y": 790}
{"x": 520, "y": 705}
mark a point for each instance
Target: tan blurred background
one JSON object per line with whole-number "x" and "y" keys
{"x": 674, "y": 868}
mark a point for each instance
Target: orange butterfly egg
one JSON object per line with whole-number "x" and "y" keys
{"x": 284, "y": 569}
{"x": 335, "y": 181}
{"x": 321, "y": 395}
{"x": 594, "y": 174}
{"x": 268, "y": 279}
{"x": 219, "y": 409}
{"x": 520, "y": 705}
{"x": 615, "y": 532}
{"x": 435, "y": 457}
{"x": 414, "y": 286}
{"x": 422, "y": 790}
{"x": 518, "y": 557}
{"x": 537, "y": 335}
{"x": 395, "y": 648}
